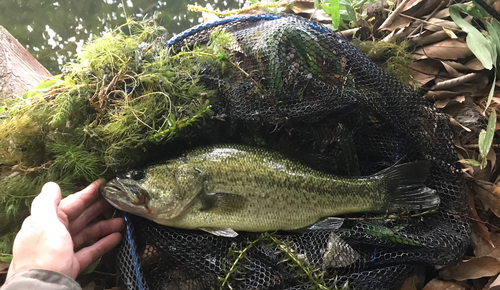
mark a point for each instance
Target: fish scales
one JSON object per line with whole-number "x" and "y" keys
{"x": 273, "y": 190}
{"x": 254, "y": 189}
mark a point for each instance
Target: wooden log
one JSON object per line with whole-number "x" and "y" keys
{"x": 19, "y": 70}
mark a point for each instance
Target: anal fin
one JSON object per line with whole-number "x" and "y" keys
{"x": 329, "y": 223}
{"x": 222, "y": 232}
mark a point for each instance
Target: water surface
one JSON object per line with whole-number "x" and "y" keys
{"x": 53, "y": 30}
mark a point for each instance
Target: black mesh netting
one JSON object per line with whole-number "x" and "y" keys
{"x": 311, "y": 95}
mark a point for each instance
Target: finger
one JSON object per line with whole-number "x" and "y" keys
{"x": 98, "y": 230}
{"x": 45, "y": 204}
{"x": 90, "y": 254}
{"x": 87, "y": 215}
{"x": 75, "y": 204}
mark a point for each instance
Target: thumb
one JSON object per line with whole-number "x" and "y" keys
{"x": 47, "y": 201}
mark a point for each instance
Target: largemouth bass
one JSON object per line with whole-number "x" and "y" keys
{"x": 226, "y": 188}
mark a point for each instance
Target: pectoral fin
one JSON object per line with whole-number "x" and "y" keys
{"x": 221, "y": 202}
{"x": 223, "y": 232}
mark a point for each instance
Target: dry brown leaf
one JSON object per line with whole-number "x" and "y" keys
{"x": 409, "y": 284}
{"x": 444, "y": 50}
{"x": 474, "y": 268}
{"x": 398, "y": 23}
{"x": 451, "y": 70}
{"x": 488, "y": 284}
{"x": 436, "y": 24}
{"x": 443, "y": 13}
{"x": 489, "y": 194}
{"x": 475, "y": 64}
{"x": 426, "y": 38}
{"x": 450, "y": 102}
{"x": 492, "y": 158}
{"x": 495, "y": 103}
{"x": 480, "y": 233}
{"x": 307, "y": 7}
{"x": 4, "y": 266}
{"x": 450, "y": 33}
{"x": 456, "y": 65}
{"x": 420, "y": 8}
{"x": 412, "y": 5}
{"x": 440, "y": 95}
{"x": 425, "y": 70}
{"x": 495, "y": 284}
{"x": 437, "y": 284}
{"x": 455, "y": 123}
{"x": 484, "y": 248}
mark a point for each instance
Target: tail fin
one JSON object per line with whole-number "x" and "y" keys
{"x": 406, "y": 188}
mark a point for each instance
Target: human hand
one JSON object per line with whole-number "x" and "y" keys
{"x": 49, "y": 236}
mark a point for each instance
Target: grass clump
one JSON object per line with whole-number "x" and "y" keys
{"x": 122, "y": 95}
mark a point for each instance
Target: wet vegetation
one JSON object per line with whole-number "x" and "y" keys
{"x": 122, "y": 95}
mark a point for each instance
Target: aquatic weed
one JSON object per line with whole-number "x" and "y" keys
{"x": 121, "y": 95}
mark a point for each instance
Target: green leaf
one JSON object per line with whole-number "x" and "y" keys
{"x": 494, "y": 33}
{"x": 90, "y": 268}
{"x": 351, "y": 13}
{"x": 42, "y": 87}
{"x": 387, "y": 234}
{"x": 2, "y": 109}
{"x": 472, "y": 162}
{"x": 335, "y": 10}
{"x": 6, "y": 259}
{"x": 486, "y": 137}
{"x": 492, "y": 92}
{"x": 316, "y": 4}
{"x": 477, "y": 11}
{"x": 327, "y": 9}
{"x": 483, "y": 49}
{"x": 484, "y": 162}
{"x": 361, "y": 3}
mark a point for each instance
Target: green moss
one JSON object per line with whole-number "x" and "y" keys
{"x": 119, "y": 98}
{"x": 394, "y": 58}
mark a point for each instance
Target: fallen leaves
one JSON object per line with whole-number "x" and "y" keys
{"x": 437, "y": 284}
{"x": 446, "y": 49}
{"x": 474, "y": 268}
{"x": 425, "y": 70}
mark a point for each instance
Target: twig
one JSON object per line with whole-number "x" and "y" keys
{"x": 427, "y": 22}
{"x": 427, "y": 18}
{"x": 393, "y": 15}
{"x": 455, "y": 81}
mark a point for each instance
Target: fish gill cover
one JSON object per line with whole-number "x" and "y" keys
{"x": 272, "y": 81}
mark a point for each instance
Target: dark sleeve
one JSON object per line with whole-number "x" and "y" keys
{"x": 38, "y": 279}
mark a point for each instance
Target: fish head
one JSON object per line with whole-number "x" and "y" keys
{"x": 158, "y": 193}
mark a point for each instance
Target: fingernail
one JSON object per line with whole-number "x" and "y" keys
{"x": 50, "y": 186}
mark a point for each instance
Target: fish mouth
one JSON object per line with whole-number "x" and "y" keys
{"x": 113, "y": 189}
{"x": 118, "y": 194}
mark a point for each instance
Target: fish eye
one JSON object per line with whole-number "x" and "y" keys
{"x": 136, "y": 175}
